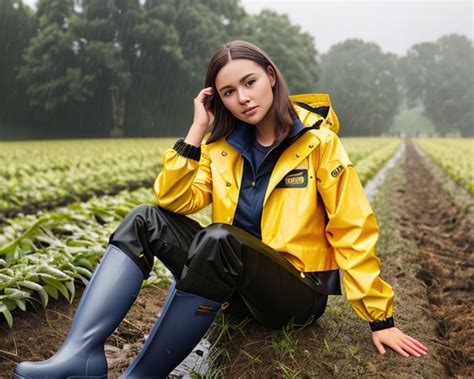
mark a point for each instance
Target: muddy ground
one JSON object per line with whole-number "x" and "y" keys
{"x": 441, "y": 224}
{"x": 425, "y": 245}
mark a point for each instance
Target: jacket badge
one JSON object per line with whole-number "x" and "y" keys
{"x": 337, "y": 171}
{"x": 294, "y": 179}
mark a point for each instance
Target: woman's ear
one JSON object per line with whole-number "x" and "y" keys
{"x": 271, "y": 75}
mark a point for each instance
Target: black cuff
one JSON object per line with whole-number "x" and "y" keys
{"x": 383, "y": 324}
{"x": 187, "y": 150}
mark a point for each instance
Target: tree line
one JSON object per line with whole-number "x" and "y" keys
{"x": 101, "y": 68}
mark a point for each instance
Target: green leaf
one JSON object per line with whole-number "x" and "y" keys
{"x": 57, "y": 284}
{"x": 72, "y": 289}
{"x": 44, "y": 297}
{"x": 31, "y": 285}
{"x": 11, "y": 304}
{"x": 58, "y": 274}
{"x": 7, "y": 314}
{"x": 52, "y": 291}
{"x": 84, "y": 272}
{"x": 21, "y": 304}
{"x": 15, "y": 294}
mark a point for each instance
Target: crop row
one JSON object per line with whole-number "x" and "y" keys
{"x": 45, "y": 254}
{"x": 369, "y": 154}
{"x": 454, "y": 155}
{"x": 38, "y": 171}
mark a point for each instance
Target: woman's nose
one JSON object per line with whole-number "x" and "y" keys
{"x": 243, "y": 97}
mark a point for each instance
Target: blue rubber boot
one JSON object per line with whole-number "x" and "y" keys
{"x": 184, "y": 320}
{"x": 106, "y": 300}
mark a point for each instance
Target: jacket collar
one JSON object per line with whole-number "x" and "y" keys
{"x": 243, "y": 135}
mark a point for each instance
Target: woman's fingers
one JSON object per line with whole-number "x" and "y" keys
{"x": 417, "y": 343}
{"x": 409, "y": 349}
{"x": 399, "y": 342}
{"x": 379, "y": 346}
{"x": 414, "y": 346}
{"x": 204, "y": 93}
{"x": 202, "y": 115}
{"x": 399, "y": 350}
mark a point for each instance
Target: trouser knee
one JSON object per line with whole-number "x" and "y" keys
{"x": 131, "y": 237}
{"x": 137, "y": 235}
{"x": 224, "y": 261}
{"x": 215, "y": 263}
{"x": 149, "y": 230}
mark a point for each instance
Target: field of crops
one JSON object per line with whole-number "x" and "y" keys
{"x": 46, "y": 254}
{"x": 33, "y": 172}
{"x": 454, "y": 155}
{"x": 369, "y": 154}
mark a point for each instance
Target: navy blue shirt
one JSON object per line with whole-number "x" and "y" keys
{"x": 258, "y": 153}
{"x": 258, "y": 165}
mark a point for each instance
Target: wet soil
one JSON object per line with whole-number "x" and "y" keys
{"x": 38, "y": 334}
{"x": 442, "y": 227}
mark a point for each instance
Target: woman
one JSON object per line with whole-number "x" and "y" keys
{"x": 288, "y": 211}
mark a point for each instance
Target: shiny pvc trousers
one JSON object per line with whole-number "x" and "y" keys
{"x": 221, "y": 262}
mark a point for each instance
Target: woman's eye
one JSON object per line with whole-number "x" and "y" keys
{"x": 249, "y": 83}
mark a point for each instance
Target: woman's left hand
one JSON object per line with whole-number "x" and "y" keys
{"x": 398, "y": 341}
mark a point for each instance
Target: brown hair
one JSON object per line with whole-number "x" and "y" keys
{"x": 225, "y": 121}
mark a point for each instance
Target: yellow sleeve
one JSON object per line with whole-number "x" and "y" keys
{"x": 353, "y": 232}
{"x": 184, "y": 185}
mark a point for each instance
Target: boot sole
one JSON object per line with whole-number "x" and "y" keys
{"x": 17, "y": 376}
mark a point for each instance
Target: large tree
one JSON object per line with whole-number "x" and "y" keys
{"x": 104, "y": 39}
{"x": 17, "y": 26}
{"x": 363, "y": 84}
{"x": 440, "y": 77}
{"x": 51, "y": 67}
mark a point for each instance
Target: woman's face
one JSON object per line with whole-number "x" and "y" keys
{"x": 242, "y": 84}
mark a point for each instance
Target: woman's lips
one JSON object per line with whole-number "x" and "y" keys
{"x": 250, "y": 111}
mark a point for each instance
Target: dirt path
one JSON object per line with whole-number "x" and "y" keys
{"x": 443, "y": 231}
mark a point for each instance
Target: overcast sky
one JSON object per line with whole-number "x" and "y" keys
{"x": 394, "y": 25}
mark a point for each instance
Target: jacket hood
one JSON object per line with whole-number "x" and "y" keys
{"x": 313, "y": 107}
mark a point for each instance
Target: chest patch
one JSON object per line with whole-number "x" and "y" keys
{"x": 337, "y": 171}
{"x": 294, "y": 179}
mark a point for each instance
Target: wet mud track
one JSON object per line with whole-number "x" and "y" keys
{"x": 443, "y": 232}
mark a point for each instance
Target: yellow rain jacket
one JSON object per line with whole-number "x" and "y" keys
{"x": 327, "y": 225}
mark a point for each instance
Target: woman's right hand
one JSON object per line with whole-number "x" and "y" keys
{"x": 203, "y": 117}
